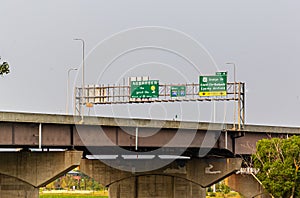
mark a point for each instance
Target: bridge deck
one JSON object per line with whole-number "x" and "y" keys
{"x": 32, "y": 130}
{"x": 134, "y": 122}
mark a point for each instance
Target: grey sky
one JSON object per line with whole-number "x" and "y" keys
{"x": 261, "y": 37}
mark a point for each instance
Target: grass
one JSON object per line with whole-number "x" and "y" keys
{"x": 100, "y": 195}
{"x": 221, "y": 195}
{"x": 76, "y": 194}
{"x": 71, "y": 195}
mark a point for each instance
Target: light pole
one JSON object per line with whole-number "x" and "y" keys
{"x": 82, "y": 94}
{"x": 234, "y": 93}
{"x": 68, "y": 89}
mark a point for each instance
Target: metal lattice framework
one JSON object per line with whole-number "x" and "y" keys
{"x": 120, "y": 94}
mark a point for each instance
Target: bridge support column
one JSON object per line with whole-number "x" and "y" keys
{"x": 22, "y": 173}
{"x": 184, "y": 179}
{"x": 144, "y": 186}
{"x": 13, "y": 187}
{"x": 247, "y": 186}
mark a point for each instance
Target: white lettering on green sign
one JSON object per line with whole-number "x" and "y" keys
{"x": 144, "y": 89}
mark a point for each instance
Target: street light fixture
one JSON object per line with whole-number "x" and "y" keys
{"x": 68, "y": 89}
{"x": 234, "y": 93}
{"x": 82, "y": 94}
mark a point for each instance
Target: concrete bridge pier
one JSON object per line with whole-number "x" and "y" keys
{"x": 247, "y": 186}
{"x": 162, "y": 186}
{"x": 13, "y": 187}
{"x": 176, "y": 180}
{"x": 22, "y": 173}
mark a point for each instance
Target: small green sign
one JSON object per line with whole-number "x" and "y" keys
{"x": 144, "y": 89}
{"x": 213, "y": 85}
{"x": 177, "y": 91}
{"x": 221, "y": 73}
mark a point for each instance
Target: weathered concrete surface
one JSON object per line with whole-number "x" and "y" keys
{"x": 146, "y": 186}
{"x": 11, "y": 187}
{"x": 203, "y": 172}
{"x": 207, "y": 172}
{"x": 175, "y": 180}
{"x": 38, "y": 168}
{"x": 247, "y": 185}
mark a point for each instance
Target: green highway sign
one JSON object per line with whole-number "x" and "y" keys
{"x": 144, "y": 89}
{"x": 213, "y": 85}
{"x": 221, "y": 73}
{"x": 177, "y": 91}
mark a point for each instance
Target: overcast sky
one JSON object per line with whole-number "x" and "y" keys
{"x": 261, "y": 37}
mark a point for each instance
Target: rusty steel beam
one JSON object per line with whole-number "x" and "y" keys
{"x": 27, "y": 134}
{"x": 27, "y": 130}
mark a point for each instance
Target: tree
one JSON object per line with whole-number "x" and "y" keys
{"x": 50, "y": 186}
{"x": 278, "y": 161}
{"x": 4, "y": 68}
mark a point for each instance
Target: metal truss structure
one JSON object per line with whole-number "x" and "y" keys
{"x": 120, "y": 94}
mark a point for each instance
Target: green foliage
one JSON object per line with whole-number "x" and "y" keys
{"x": 221, "y": 187}
{"x": 50, "y": 186}
{"x": 4, "y": 68}
{"x": 67, "y": 182}
{"x": 278, "y": 161}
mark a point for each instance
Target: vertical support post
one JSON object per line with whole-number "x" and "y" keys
{"x": 186, "y": 89}
{"x": 129, "y": 87}
{"x": 165, "y": 91}
{"x": 243, "y": 103}
{"x": 103, "y": 93}
{"x": 40, "y": 136}
{"x": 108, "y": 92}
{"x": 239, "y": 106}
{"x": 113, "y": 90}
{"x": 234, "y": 97}
{"x": 78, "y": 101}
{"x": 75, "y": 101}
{"x": 94, "y": 94}
{"x": 193, "y": 91}
{"x": 136, "y": 138}
{"x": 226, "y": 139}
{"x": 119, "y": 93}
{"x": 124, "y": 90}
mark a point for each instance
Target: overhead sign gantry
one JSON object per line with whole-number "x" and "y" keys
{"x": 144, "y": 90}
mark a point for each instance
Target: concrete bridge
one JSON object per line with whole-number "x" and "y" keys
{"x": 209, "y": 153}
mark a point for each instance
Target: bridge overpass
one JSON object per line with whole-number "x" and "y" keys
{"x": 211, "y": 153}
